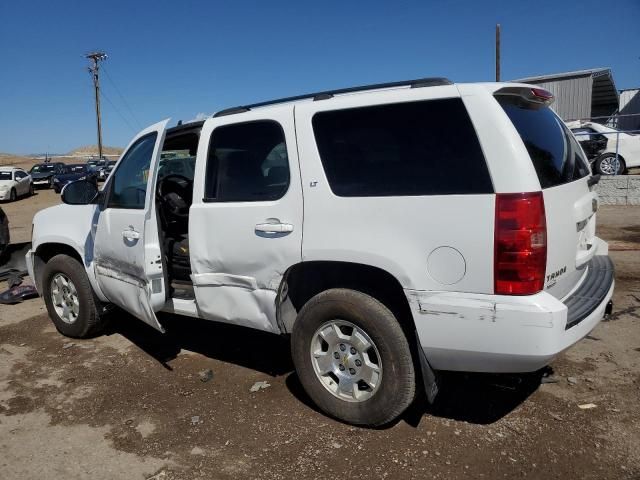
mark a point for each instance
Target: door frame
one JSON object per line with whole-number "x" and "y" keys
{"x": 145, "y": 292}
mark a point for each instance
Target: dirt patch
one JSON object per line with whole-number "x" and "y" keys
{"x": 131, "y": 404}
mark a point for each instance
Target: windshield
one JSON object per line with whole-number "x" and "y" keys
{"x": 555, "y": 154}
{"x": 43, "y": 168}
{"x": 5, "y": 176}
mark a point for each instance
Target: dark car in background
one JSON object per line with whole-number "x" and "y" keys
{"x": 106, "y": 170}
{"x": 70, "y": 173}
{"x": 43, "y": 173}
{"x": 96, "y": 164}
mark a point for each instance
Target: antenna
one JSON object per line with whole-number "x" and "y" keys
{"x": 94, "y": 69}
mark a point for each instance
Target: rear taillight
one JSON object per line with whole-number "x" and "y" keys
{"x": 520, "y": 256}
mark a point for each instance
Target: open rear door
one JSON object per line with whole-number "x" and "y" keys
{"x": 127, "y": 251}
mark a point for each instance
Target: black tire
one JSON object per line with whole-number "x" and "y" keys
{"x": 13, "y": 196}
{"x": 89, "y": 321}
{"x": 622, "y": 167}
{"x": 32, "y": 190}
{"x": 398, "y": 382}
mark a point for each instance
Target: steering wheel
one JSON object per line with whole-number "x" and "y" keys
{"x": 176, "y": 194}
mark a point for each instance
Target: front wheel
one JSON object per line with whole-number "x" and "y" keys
{"x": 69, "y": 298}
{"x": 13, "y": 195}
{"x": 608, "y": 164}
{"x": 353, "y": 358}
{"x": 32, "y": 191}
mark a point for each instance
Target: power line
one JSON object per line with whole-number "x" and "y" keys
{"x": 126, "y": 104}
{"x": 118, "y": 111}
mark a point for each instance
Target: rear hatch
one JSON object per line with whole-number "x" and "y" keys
{"x": 562, "y": 168}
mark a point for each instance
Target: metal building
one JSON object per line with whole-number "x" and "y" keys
{"x": 580, "y": 94}
{"x": 629, "y": 109}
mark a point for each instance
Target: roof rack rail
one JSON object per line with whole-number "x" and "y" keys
{"x": 417, "y": 83}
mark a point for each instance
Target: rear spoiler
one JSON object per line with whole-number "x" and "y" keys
{"x": 529, "y": 94}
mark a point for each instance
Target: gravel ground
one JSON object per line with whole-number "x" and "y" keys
{"x": 133, "y": 404}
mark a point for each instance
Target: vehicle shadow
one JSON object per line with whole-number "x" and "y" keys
{"x": 480, "y": 399}
{"x": 261, "y": 351}
{"x": 13, "y": 256}
{"x": 474, "y": 398}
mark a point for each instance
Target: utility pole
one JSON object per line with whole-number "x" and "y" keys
{"x": 497, "y": 52}
{"x": 94, "y": 69}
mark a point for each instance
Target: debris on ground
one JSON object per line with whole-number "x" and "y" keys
{"x": 206, "y": 375}
{"x": 17, "y": 294}
{"x": 555, "y": 416}
{"x": 195, "y": 420}
{"x": 196, "y": 451}
{"x": 158, "y": 476}
{"x": 68, "y": 345}
{"x": 572, "y": 380}
{"x": 587, "y": 406}
{"x": 259, "y": 386}
{"x": 550, "y": 379}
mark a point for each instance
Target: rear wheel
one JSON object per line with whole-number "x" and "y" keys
{"x": 31, "y": 190}
{"x": 608, "y": 164}
{"x": 353, "y": 358}
{"x": 69, "y": 298}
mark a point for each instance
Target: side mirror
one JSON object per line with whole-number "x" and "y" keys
{"x": 80, "y": 192}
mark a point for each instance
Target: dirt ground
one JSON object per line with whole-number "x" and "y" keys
{"x": 131, "y": 404}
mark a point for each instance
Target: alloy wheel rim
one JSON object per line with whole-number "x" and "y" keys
{"x": 610, "y": 165}
{"x": 64, "y": 297}
{"x": 346, "y": 361}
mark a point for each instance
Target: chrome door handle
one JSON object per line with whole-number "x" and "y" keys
{"x": 131, "y": 234}
{"x": 274, "y": 227}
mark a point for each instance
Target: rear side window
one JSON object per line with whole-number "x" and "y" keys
{"x": 555, "y": 153}
{"x": 247, "y": 162}
{"x": 416, "y": 148}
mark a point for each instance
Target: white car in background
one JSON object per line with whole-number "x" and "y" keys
{"x": 14, "y": 182}
{"x": 627, "y": 145}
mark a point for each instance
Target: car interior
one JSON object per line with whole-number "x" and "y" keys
{"x": 174, "y": 195}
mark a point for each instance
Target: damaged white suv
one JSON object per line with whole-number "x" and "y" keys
{"x": 392, "y": 230}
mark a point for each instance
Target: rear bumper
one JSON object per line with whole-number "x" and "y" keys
{"x": 498, "y": 333}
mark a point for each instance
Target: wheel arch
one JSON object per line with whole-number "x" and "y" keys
{"x": 304, "y": 280}
{"x": 46, "y": 251}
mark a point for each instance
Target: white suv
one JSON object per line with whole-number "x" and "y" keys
{"x": 392, "y": 230}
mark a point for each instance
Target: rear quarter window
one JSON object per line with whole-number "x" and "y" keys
{"x": 555, "y": 153}
{"x": 415, "y": 148}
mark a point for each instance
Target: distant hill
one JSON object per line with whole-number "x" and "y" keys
{"x": 77, "y": 155}
{"x": 9, "y": 159}
{"x": 92, "y": 150}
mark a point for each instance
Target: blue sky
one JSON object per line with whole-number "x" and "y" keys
{"x": 180, "y": 58}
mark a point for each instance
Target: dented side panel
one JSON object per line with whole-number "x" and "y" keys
{"x": 127, "y": 247}
{"x": 237, "y": 268}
